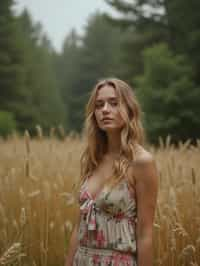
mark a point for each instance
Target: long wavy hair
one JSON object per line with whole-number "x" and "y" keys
{"x": 132, "y": 132}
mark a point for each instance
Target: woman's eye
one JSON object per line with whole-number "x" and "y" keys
{"x": 114, "y": 103}
{"x": 99, "y": 105}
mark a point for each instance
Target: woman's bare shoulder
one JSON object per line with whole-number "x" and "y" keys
{"x": 142, "y": 155}
{"x": 143, "y": 162}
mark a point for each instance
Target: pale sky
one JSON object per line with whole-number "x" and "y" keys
{"x": 58, "y": 17}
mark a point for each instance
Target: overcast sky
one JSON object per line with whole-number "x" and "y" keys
{"x": 58, "y": 17}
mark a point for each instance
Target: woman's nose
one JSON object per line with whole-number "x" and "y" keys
{"x": 105, "y": 107}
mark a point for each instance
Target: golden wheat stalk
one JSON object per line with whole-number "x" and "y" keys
{"x": 27, "y": 160}
{"x": 12, "y": 254}
{"x": 39, "y": 132}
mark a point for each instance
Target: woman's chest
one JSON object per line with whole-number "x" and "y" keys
{"x": 109, "y": 200}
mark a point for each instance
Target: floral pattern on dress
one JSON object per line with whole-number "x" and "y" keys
{"x": 107, "y": 227}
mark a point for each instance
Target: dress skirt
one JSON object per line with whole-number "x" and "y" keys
{"x": 85, "y": 256}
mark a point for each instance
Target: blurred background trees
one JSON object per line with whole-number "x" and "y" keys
{"x": 153, "y": 45}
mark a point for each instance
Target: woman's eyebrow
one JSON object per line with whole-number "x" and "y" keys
{"x": 109, "y": 98}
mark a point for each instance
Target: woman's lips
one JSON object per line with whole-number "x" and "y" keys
{"x": 107, "y": 120}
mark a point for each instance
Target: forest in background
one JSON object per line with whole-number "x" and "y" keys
{"x": 153, "y": 45}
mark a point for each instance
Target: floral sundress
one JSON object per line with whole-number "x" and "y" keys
{"x": 107, "y": 227}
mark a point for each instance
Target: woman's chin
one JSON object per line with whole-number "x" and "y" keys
{"x": 111, "y": 129}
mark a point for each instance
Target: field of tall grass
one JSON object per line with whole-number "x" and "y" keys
{"x": 37, "y": 209}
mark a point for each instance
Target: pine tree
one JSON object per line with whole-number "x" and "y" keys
{"x": 43, "y": 98}
{"x": 11, "y": 63}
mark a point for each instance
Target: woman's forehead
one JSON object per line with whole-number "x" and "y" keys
{"x": 106, "y": 92}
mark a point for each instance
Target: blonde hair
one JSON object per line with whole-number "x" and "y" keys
{"x": 96, "y": 140}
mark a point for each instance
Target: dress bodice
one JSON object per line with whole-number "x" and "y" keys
{"x": 108, "y": 220}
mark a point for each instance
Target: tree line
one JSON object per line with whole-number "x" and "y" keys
{"x": 153, "y": 45}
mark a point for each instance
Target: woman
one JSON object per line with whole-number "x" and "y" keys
{"x": 119, "y": 185}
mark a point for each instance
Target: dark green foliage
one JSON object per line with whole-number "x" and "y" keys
{"x": 29, "y": 88}
{"x": 11, "y": 62}
{"x": 175, "y": 22}
{"x": 7, "y": 123}
{"x": 68, "y": 75}
{"x": 45, "y": 106}
{"x": 169, "y": 74}
{"x": 168, "y": 95}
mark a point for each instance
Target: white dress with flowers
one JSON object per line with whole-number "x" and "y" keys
{"x": 107, "y": 227}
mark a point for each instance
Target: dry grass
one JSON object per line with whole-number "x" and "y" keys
{"x": 37, "y": 210}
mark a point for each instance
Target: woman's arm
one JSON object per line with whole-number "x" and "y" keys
{"x": 73, "y": 243}
{"x": 146, "y": 177}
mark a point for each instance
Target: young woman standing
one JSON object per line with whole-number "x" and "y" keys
{"x": 119, "y": 183}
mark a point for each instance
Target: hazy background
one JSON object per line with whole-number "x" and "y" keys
{"x": 53, "y": 53}
{"x": 58, "y": 17}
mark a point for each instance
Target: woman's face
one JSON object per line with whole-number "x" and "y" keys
{"x": 107, "y": 112}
